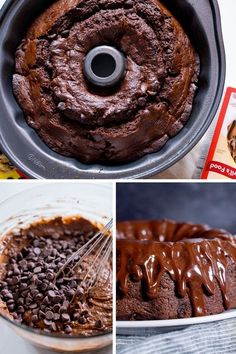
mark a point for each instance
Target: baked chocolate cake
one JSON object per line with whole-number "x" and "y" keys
{"x": 151, "y": 102}
{"x": 168, "y": 270}
{"x": 34, "y": 293}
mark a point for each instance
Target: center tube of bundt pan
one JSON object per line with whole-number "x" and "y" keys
{"x": 104, "y": 66}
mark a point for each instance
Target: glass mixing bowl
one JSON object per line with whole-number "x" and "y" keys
{"x": 90, "y": 200}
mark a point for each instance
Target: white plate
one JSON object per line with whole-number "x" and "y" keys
{"x": 139, "y": 327}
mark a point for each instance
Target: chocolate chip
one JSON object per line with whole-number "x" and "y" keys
{"x": 47, "y": 322}
{"x": 19, "y": 320}
{"x": 19, "y": 256}
{"x": 79, "y": 291}
{"x": 11, "y": 307}
{"x": 32, "y": 287}
{"x": 23, "y": 286}
{"x": 16, "y": 271}
{"x": 70, "y": 292}
{"x": 65, "y": 33}
{"x": 47, "y": 252}
{"x": 15, "y": 315}
{"x": 173, "y": 72}
{"x": 151, "y": 93}
{"x": 49, "y": 315}
{"x": 52, "y": 36}
{"x": 20, "y": 301}
{"x": 129, "y": 3}
{"x": 37, "y": 270}
{"x": 44, "y": 286}
{"x": 85, "y": 313}
{"x": 76, "y": 316}
{"x": 23, "y": 263}
{"x": 39, "y": 297}
{"x": 37, "y": 251}
{"x": 20, "y": 309}
{"x": 53, "y": 327}
{"x": 68, "y": 329}
{"x": 82, "y": 320}
{"x": 34, "y": 292}
{"x": 4, "y": 292}
{"x": 41, "y": 314}
{"x": 23, "y": 279}
{"x": 34, "y": 318}
{"x": 56, "y": 299}
{"x": 65, "y": 303}
{"x": 41, "y": 276}
{"x": 56, "y": 308}
{"x": 51, "y": 294}
{"x": 46, "y": 301}
{"x": 56, "y": 316}
{"x": 38, "y": 282}
{"x": 30, "y": 265}
{"x": 98, "y": 324}
{"x": 65, "y": 317}
{"x": 3, "y": 284}
{"x": 63, "y": 309}
{"x": 33, "y": 306}
{"x": 11, "y": 301}
{"x": 50, "y": 276}
{"x": 142, "y": 101}
{"x": 24, "y": 293}
{"x": 73, "y": 283}
{"x": 28, "y": 301}
{"x": 61, "y": 106}
{"x": 8, "y": 296}
{"x": 34, "y": 277}
{"x": 15, "y": 280}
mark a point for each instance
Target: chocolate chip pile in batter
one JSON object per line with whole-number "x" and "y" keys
{"x": 30, "y": 291}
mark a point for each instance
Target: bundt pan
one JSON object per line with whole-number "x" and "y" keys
{"x": 201, "y": 21}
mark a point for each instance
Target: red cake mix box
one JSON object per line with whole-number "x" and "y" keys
{"x": 221, "y": 160}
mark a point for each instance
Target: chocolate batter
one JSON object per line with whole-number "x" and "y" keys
{"x": 29, "y": 293}
{"x": 138, "y": 116}
{"x": 174, "y": 270}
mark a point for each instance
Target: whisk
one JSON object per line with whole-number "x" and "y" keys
{"x": 100, "y": 246}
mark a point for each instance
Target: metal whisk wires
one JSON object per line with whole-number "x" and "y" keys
{"x": 100, "y": 248}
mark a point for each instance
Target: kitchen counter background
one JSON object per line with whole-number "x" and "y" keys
{"x": 186, "y": 168}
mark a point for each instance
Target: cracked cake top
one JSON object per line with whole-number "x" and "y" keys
{"x": 138, "y": 115}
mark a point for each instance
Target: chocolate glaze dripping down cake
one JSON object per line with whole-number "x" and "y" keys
{"x": 174, "y": 270}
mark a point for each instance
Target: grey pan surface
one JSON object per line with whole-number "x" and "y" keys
{"x": 201, "y": 20}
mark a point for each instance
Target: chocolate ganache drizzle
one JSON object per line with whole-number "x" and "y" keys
{"x": 194, "y": 256}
